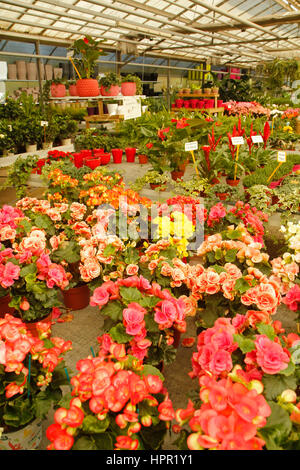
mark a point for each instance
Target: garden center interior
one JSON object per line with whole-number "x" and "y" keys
{"x": 149, "y": 225}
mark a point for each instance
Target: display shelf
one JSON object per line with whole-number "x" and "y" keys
{"x": 19, "y": 80}
{"x": 95, "y": 98}
{"x": 206, "y": 110}
{"x": 198, "y": 95}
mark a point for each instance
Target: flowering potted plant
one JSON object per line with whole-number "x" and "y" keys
{"x": 131, "y": 85}
{"x": 87, "y": 51}
{"x": 110, "y": 84}
{"x": 140, "y": 316}
{"x": 32, "y": 373}
{"x": 154, "y": 178}
{"x": 128, "y": 409}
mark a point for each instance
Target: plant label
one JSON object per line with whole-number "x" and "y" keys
{"x": 191, "y": 146}
{"x": 44, "y": 123}
{"x": 281, "y": 157}
{"x": 9, "y": 127}
{"x": 257, "y": 139}
{"x": 237, "y": 140}
{"x": 70, "y": 54}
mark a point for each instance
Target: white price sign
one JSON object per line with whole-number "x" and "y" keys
{"x": 237, "y": 140}
{"x": 44, "y": 123}
{"x": 191, "y": 146}
{"x": 131, "y": 108}
{"x": 257, "y": 139}
{"x": 70, "y": 54}
{"x": 281, "y": 157}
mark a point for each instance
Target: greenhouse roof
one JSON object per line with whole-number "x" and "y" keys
{"x": 243, "y": 32}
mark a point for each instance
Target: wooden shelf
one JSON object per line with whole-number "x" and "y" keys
{"x": 206, "y": 110}
{"x": 102, "y": 118}
{"x": 199, "y": 95}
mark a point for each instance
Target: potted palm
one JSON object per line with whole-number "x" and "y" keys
{"x": 31, "y": 384}
{"x": 131, "y": 85}
{"x": 110, "y": 84}
{"x": 86, "y": 51}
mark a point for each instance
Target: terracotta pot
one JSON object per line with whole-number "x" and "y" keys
{"x": 77, "y": 298}
{"x": 117, "y": 155}
{"x": 58, "y": 90}
{"x": 73, "y": 90}
{"x": 27, "y": 438}
{"x": 87, "y": 87}
{"x": 113, "y": 90}
{"x": 31, "y": 326}
{"x": 12, "y": 71}
{"x": 232, "y": 182}
{"x": 21, "y": 69}
{"x": 31, "y": 69}
{"x": 128, "y": 88}
{"x": 143, "y": 159}
{"x": 48, "y": 72}
{"x": 130, "y": 154}
{"x": 176, "y": 175}
{"x": 222, "y": 196}
{"x": 4, "y": 307}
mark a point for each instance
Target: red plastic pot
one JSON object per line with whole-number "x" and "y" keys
{"x": 130, "y": 154}
{"x": 186, "y": 103}
{"x": 222, "y": 196}
{"x": 114, "y": 90}
{"x": 78, "y": 160}
{"x": 87, "y": 87}
{"x": 93, "y": 162}
{"x": 77, "y": 298}
{"x": 154, "y": 186}
{"x": 117, "y": 155}
{"x": 200, "y": 104}
{"x": 128, "y": 88}
{"x": 73, "y": 90}
{"x": 232, "y": 182}
{"x": 177, "y": 175}
{"x": 143, "y": 159}
{"x": 193, "y": 103}
{"x": 220, "y": 103}
{"x": 86, "y": 153}
{"x": 105, "y": 158}
{"x": 58, "y": 90}
{"x": 179, "y": 103}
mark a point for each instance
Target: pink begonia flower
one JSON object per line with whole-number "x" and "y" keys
{"x": 292, "y": 298}
{"x": 9, "y": 273}
{"x": 133, "y": 318}
{"x": 2, "y": 353}
{"x": 270, "y": 356}
{"x": 100, "y": 297}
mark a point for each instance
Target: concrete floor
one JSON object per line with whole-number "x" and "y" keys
{"x": 86, "y": 325}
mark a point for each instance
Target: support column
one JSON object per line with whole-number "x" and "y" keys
{"x": 38, "y": 63}
{"x": 168, "y": 86}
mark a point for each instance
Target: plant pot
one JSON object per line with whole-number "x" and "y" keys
{"x": 215, "y": 181}
{"x": 128, "y": 88}
{"x": 66, "y": 141}
{"x": 90, "y": 110}
{"x": 215, "y": 90}
{"x": 58, "y": 90}
{"x": 12, "y": 71}
{"x": 176, "y": 336}
{"x": 31, "y": 148}
{"x": 207, "y": 91}
{"x": 87, "y": 87}
{"x": 78, "y": 160}
{"x": 77, "y": 298}
{"x": 130, "y": 154}
{"x": 112, "y": 108}
{"x": 73, "y": 90}
{"x": 143, "y": 159}
{"x": 57, "y": 72}
{"x": 4, "y": 307}
{"x": 49, "y": 72}
{"x": 275, "y": 200}
{"x": 154, "y": 186}
{"x": 222, "y": 196}
{"x": 31, "y": 70}
{"x": 93, "y": 162}
{"x": 113, "y": 90}
{"x": 186, "y": 91}
{"x": 47, "y": 145}
{"x": 27, "y": 438}
{"x": 31, "y": 326}
{"x": 21, "y": 69}
{"x": 105, "y": 158}
{"x": 177, "y": 175}
{"x": 117, "y": 155}
{"x": 232, "y": 182}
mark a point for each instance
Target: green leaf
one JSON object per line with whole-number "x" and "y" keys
{"x": 289, "y": 370}
{"x": 266, "y": 330}
{"x": 231, "y": 255}
{"x": 245, "y": 344}
{"x": 151, "y": 370}
{"x": 277, "y": 428}
{"x": 68, "y": 251}
{"x": 130, "y": 294}
{"x": 85, "y": 443}
{"x": 113, "y": 310}
{"x": 218, "y": 269}
{"x": 104, "y": 441}
{"x": 28, "y": 269}
{"x": 153, "y": 437}
{"x": 181, "y": 441}
{"x": 274, "y": 385}
{"x": 241, "y": 285}
{"x": 118, "y": 334}
{"x": 234, "y": 234}
{"x": 109, "y": 250}
{"x": 44, "y": 222}
{"x": 92, "y": 425}
{"x": 218, "y": 254}
{"x": 150, "y": 324}
{"x": 149, "y": 302}
{"x": 131, "y": 256}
